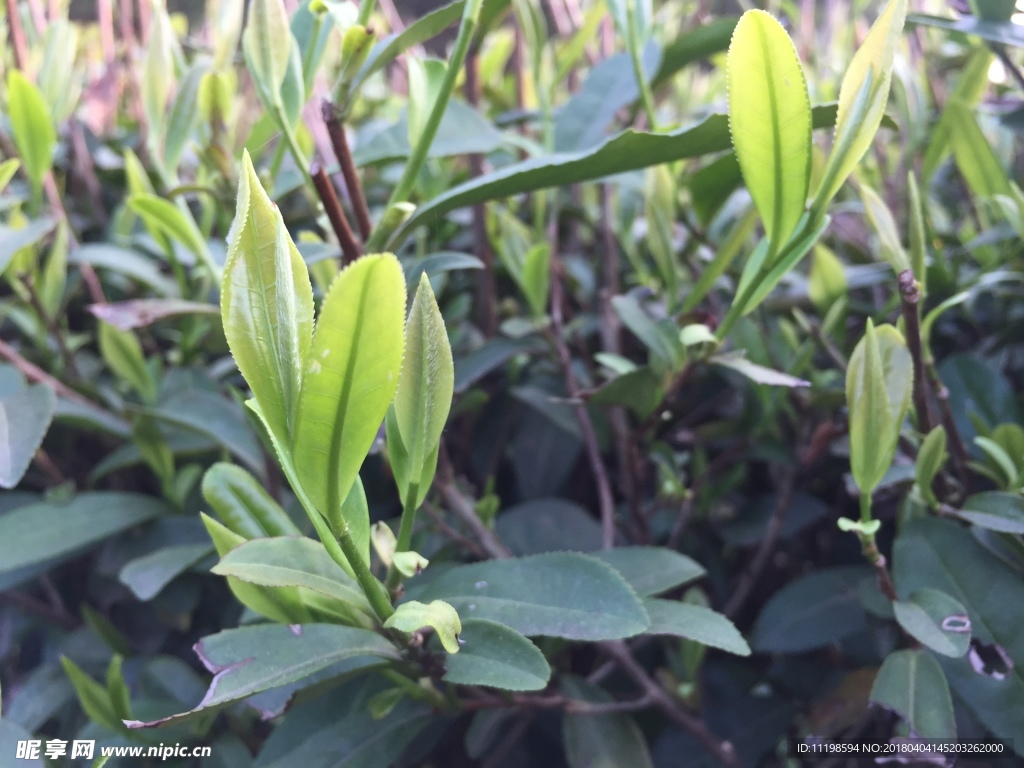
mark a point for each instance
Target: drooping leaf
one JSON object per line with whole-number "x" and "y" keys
{"x": 496, "y": 656}
{"x": 911, "y": 683}
{"x": 694, "y": 622}
{"x": 437, "y": 614}
{"x": 146, "y": 576}
{"x": 257, "y": 658}
{"x": 560, "y": 594}
{"x": 757, "y": 373}
{"x": 25, "y": 417}
{"x": 936, "y": 620}
{"x": 266, "y": 304}
{"x": 995, "y": 510}
{"x": 139, "y": 313}
{"x": 351, "y": 373}
{"x": 770, "y": 121}
{"x": 1004, "y": 33}
{"x": 31, "y": 126}
{"x": 14, "y": 241}
{"x": 45, "y": 531}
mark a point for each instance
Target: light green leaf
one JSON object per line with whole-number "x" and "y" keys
{"x": 413, "y": 615}
{"x": 651, "y": 570}
{"x": 93, "y": 697}
{"x": 930, "y": 458}
{"x": 268, "y": 42}
{"x": 184, "y": 114}
{"x": 292, "y": 561}
{"x": 935, "y": 619}
{"x": 694, "y": 622}
{"x": 496, "y": 656}
{"x": 158, "y": 73}
{"x": 870, "y": 68}
{"x": 25, "y": 418}
{"x": 559, "y": 594}
{"x": 536, "y": 278}
{"x": 912, "y": 684}
{"x": 354, "y": 514}
{"x": 770, "y": 121}
{"x": 243, "y": 505}
{"x": 8, "y": 168}
{"x": 351, "y": 373}
{"x": 757, "y": 373}
{"x": 31, "y": 126}
{"x": 660, "y": 213}
{"x": 971, "y": 84}
{"x": 600, "y": 741}
{"x": 13, "y": 241}
{"x": 826, "y": 282}
{"x": 425, "y": 79}
{"x": 424, "y": 394}
{"x": 881, "y": 219}
{"x": 123, "y": 354}
{"x": 981, "y": 169}
{"x": 172, "y": 221}
{"x": 917, "y": 237}
{"x": 879, "y": 382}
{"x": 266, "y": 304}
{"x": 249, "y": 660}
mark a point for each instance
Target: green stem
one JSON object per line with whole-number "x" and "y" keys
{"x": 365, "y": 11}
{"x": 865, "y": 507}
{"x": 404, "y": 532}
{"x": 418, "y": 157}
{"x": 633, "y": 44}
{"x": 343, "y": 550}
{"x": 293, "y": 144}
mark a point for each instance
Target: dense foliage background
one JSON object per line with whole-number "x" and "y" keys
{"x": 663, "y": 356}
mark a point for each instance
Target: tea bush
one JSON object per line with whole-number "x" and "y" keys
{"x": 509, "y": 383}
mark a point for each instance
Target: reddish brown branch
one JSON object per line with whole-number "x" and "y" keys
{"x": 350, "y": 248}
{"x": 339, "y": 142}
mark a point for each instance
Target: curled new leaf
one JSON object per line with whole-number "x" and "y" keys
{"x": 770, "y": 121}
{"x": 879, "y": 382}
{"x": 423, "y": 398}
{"x": 266, "y": 304}
{"x": 350, "y": 377}
{"x": 414, "y": 615}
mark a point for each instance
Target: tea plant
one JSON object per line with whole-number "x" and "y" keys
{"x": 506, "y": 383}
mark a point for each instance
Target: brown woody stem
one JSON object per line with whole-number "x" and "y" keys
{"x": 350, "y": 248}
{"x": 339, "y": 141}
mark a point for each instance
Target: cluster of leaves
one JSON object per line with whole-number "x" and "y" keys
{"x": 572, "y": 399}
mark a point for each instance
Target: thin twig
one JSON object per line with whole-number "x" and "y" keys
{"x": 350, "y": 248}
{"x": 764, "y": 551}
{"x": 435, "y": 516}
{"x": 722, "y": 750}
{"x": 51, "y": 325}
{"x": 462, "y": 507}
{"x": 35, "y": 373}
{"x": 339, "y": 141}
{"x": 910, "y": 298}
{"x": 19, "y": 43}
{"x": 557, "y": 335}
{"x": 957, "y": 449}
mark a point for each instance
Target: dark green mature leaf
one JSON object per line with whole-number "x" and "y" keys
{"x": 770, "y": 121}
{"x": 338, "y": 730}
{"x": 694, "y": 622}
{"x": 1003, "y": 32}
{"x": 266, "y": 304}
{"x": 350, "y": 378}
{"x": 651, "y": 570}
{"x": 936, "y": 620}
{"x": 146, "y": 576}
{"x": 995, "y": 511}
{"x": 44, "y": 531}
{"x": 126, "y": 262}
{"x": 248, "y": 660}
{"x": 25, "y": 417}
{"x": 600, "y": 741}
{"x": 812, "y": 612}
{"x": 292, "y": 561}
{"x": 626, "y": 151}
{"x": 939, "y": 554}
{"x": 558, "y": 595}
{"x": 548, "y": 525}
{"x": 497, "y": 657}
{"x": 911, "y": 683}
